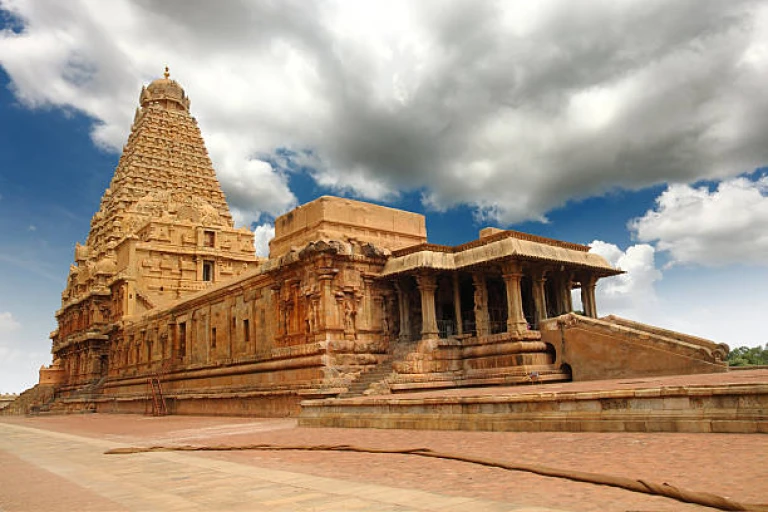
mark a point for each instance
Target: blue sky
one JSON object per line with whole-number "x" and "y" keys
{"x": 646, "y": 140}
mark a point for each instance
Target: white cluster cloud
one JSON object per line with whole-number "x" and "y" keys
{"x": 261, "y": 237}
{"x": 510, "y": 107}
{"x": 697, "y": 225}
{"x": 632, "y": 294}
{"x": 20, "y": 356}
{"x": 7, "y": 323}
{"x": 721, "y": 304}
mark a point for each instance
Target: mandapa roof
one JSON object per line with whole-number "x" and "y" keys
{"x": 503, "y": 245}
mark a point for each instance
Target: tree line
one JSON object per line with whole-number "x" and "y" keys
{"x": 744, "y": 356}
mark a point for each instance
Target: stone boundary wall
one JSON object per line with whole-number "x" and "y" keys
{"x": 711, "y": 346}
{"x": 597, "y": 349}
{"x": 695, "y": 409}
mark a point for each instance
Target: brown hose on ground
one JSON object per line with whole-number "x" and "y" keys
{"x": 666, "y": 490}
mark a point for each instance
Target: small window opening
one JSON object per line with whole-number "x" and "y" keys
{"x": 209, "y": 239}
{"x": 207, "y": 271}
{"x": 213, "y": 337}
{"x": 182, "y": 339}
{"x": 246, "y": 331}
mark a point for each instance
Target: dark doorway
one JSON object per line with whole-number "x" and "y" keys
{"x": 467, "y": 298}
{"x": 497, "y": 304}
{"x": 552, "y": 298}
{"x": 444, "y": 307}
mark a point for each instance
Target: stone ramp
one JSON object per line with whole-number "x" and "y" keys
{"x": 614, "y": 347}
{"x": 727, "y": 403}
{"x": 34, "y": 400}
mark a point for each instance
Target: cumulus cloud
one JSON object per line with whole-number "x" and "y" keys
{"x": 510, "y": 107}
{"x": 19, "y": 361}
{"x": 8, "y": 323}
{"x": 632, "y": 294}
{"x": 697, "y": 225}
{"x": 261, "y": 237}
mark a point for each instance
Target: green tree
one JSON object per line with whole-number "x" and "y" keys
{"x": 744, "y": 356}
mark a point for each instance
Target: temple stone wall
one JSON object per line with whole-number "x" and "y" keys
{"x": 305, "y": 325}
{"x": 334, "y": 218}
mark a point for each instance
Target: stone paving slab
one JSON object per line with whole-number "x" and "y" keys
{"x": 186, "y": 482}
{"x": 732, "y": 465}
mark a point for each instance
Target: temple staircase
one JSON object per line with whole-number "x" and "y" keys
{"x": 90, "y": 391}
{"x": 367, "y": 380}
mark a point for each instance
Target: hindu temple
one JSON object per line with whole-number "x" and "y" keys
{"x": 167, "y": 306}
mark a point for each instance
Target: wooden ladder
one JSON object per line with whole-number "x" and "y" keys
{"x": 159, "y": 407}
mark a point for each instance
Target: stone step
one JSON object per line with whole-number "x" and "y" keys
{"x": 373, "y": 377}
{"x": 364, "y": 381}
{"x": 362, "y": 386}
{"x": 691, "y": 403}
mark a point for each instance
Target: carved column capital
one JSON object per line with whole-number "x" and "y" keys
{"x": 511, "y": 268}
{"x": 426, "y": 281}
{"x": 326, "y": 273}
{"x": 588, "y": 284}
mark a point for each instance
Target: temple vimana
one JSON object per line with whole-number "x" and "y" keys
{"x": 168, "y": 307}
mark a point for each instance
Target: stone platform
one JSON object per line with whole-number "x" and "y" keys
{"x": 734, "y": 402}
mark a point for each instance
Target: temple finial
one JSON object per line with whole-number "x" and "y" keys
{"x": 167, "y": 73}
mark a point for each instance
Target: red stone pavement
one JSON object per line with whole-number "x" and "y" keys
{"x": 733, "y": 465}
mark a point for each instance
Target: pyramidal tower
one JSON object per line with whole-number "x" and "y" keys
{"x": 163, "y": 229}
{"x": 164, "y": 157}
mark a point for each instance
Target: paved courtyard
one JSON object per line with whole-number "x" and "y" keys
{"x": 57, "y": 463}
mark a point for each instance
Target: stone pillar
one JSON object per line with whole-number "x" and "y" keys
{"x": 129, "y": 299}
{"x": 404, "y": 310}
{"x": 71, "y": 366}
{"x": 387, "y": 314}
{"x": 482, "y": 320}
{"x": 293, "y": 320}
{"x": 365, "y": 320}
{"x": 94, "y": 363}
{"x": 512, "y": 274}
{"x": 588, "y": 283}
{"x": 348, "y": 305}
{"x": 567, "y": 284}
{"x": 557, "y": 285}
{"x": 198, "y": 268}
{"x": 540, "y": 295}
{"x": 277, "y": 312}
{"x": 327, "y": 317}
{"x": 232, "y": 329}
{"x": 427, "y": 286}
{"x": 457, "y": 304}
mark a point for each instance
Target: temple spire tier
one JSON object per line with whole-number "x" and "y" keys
{"x": 164, "y": 196}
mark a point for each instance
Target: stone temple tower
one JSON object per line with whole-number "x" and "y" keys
{"x": 163, "y": 231}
